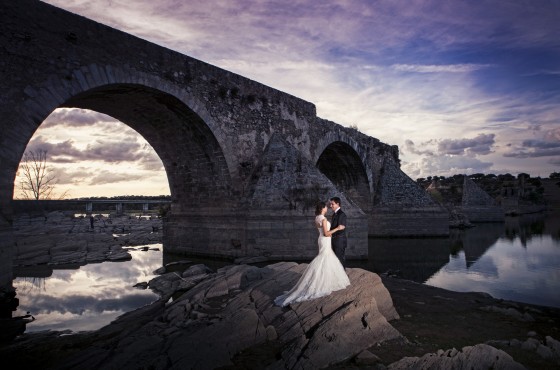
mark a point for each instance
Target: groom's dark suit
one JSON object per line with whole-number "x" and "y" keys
{"x": 339, "y": 239}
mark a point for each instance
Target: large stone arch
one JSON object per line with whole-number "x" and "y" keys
{"x": 177, "y": 126}
{"x": 340, "y": 160}
{"x": 166, "y": 116}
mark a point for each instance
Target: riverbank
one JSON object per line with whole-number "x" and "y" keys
{"x": 434, "y": 318}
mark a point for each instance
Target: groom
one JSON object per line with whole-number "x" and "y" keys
{"x": 339, "y": 240}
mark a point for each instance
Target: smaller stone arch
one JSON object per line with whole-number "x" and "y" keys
{"x": 341, "y": 162}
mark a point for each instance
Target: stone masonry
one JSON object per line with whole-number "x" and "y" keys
{"x": 211, "y": 128}
{"x": 478, "y": 205}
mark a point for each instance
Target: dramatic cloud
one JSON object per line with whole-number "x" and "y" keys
{"x": 75, "y": 118}
{"x": 446, "y": 165}
{"x": 548, "y": 146}
{"x": 114, "y": 151}
{"x": 410, "y": 147}
{"x": 480, "y": 145}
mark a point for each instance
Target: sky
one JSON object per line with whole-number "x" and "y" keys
{"x": 460, "y": 86}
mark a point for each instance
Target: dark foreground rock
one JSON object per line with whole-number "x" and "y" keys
{"x": 226, "y": 319}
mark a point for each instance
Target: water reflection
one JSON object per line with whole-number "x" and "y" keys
{"x": 517, "y": 260}
{"x": 86, "y": 297}
{"x": 524, "y": 271}
{"x": 411, "y": 258}
{"x": 475, "y": 242}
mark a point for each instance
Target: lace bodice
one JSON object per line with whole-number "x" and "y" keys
{"x": 318, "y": 222}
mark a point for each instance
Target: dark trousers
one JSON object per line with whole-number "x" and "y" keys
{"x": 339, "y": 247}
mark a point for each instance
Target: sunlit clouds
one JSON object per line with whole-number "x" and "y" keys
{"x": 93, "y": 154}
{"x": 475, "y": 86}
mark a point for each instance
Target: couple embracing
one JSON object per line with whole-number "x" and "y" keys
{"x": 325, "y": 273}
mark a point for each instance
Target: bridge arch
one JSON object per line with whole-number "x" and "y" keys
{"x": 168, "y": 117}
{"x": 341, "y": 160}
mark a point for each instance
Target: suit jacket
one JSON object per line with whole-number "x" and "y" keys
{"x": 339, "y": 218}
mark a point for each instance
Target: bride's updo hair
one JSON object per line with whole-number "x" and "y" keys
{"x": 319, "y": 208}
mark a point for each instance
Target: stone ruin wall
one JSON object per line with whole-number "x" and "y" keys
{"x": 478, "y": 205}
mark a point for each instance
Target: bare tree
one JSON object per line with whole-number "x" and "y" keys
{"x": 37, "y": 178}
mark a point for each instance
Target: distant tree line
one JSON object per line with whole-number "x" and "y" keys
{"x": 529, "y": 189}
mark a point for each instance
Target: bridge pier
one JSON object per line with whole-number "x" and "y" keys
{"x": 269, "y": 233}
{"x": 7, "y": 250}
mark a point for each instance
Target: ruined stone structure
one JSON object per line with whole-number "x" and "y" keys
{"x": 245, "y": 162}
{"x": 478, "y": 205}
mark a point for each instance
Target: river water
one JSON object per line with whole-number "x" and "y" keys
{"x": 517, "y": 260}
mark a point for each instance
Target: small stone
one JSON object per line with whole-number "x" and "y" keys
{"x": 530, "y": 344}
{"x": 160, "y": 271}
{"x": 553, "y": 344}
{"x": 142, "y": 285}
{"x": 515, "y": 343}
{"x": 544, "y": 352}
{"x": 366, "y": 358}
{"x": 271, "y": 333}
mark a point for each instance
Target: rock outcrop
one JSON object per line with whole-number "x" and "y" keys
{"x": 480, "y": 356}
{"x": 223, "y": 314}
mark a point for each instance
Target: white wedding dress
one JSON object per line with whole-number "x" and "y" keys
{"x": 323, "y": 275}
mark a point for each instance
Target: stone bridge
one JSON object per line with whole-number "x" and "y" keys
{"x": 245, "y": 162}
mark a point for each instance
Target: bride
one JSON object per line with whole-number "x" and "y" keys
{"x": 323, "y": 275}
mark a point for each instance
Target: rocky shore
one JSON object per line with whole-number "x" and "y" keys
{"x": 59, "y": 238}
{"x": 226, "y": 318}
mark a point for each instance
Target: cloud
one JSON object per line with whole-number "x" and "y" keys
{"x": 56, "y": 152}
{"x": 446, "y": 165}
{"x": 453, "y": 68}
{"x": 109, "y": 151}
{"x": 549, "y": 146}
{"x": 65, "y": 176}
{"x": 412, "y": 149}
{"x": 109, "y": 177}
{"x": 546, "y": 152}
{"x": 552, "y": 135}
{"x": 74, "y": 117}
{"x": 480, "y": 145}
